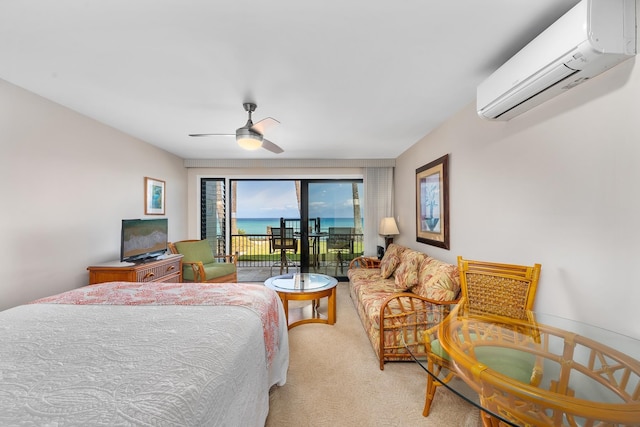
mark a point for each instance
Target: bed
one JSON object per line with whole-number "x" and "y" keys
{"x": 162, "y": 354}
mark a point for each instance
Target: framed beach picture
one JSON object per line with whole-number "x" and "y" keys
{"x": 154, "y": 196}
{"x": 432, "y": 203}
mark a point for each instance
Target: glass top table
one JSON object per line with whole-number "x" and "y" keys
{"x": 306, "y": 287}
{"x": 578, "y": 373}
{"x": 300, "y": 282}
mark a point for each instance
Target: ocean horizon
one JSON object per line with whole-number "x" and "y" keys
{"x": 259, "y": 225}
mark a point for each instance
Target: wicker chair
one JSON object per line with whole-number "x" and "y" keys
{"x": 201, "y": 265}
{"x": 502, "y": 289}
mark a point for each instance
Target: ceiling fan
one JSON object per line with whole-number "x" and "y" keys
{"x": 251, "y": 136}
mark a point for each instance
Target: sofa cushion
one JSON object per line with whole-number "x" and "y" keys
{"x": 388, "y": 265}
{"x": 406, "y": 275}
{"x": 211, "y": 271}
{"x": 370, "y": 295}
{"x": 393, "y": 250}
{"x": 218, "y": 269}
{"x": 513, "y": 363}
{"x": 437, "y": 280}
{"x": 367, "y": 274}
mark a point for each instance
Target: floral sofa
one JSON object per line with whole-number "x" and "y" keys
{"x": 399, "y": 297}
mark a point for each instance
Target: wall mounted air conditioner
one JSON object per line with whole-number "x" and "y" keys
{"x": 592, "y": 37}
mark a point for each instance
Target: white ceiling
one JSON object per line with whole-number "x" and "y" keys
{"x": 348, "y": 79}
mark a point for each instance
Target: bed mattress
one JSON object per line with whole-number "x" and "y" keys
{"x": 170, "y": 354}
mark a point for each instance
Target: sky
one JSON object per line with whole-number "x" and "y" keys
{"x": 275, "y": 199}
{"x": 266, "y": 199}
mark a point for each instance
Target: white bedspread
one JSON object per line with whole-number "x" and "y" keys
{"x": 115, "y": 365}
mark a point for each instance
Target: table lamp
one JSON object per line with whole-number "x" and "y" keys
{"x": 388, "y": 228}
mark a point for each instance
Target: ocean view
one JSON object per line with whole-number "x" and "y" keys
{"x": 259, "y": 225}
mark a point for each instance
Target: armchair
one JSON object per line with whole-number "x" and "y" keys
{"x": 199, "y": 264}
{"x": 501, "y": 289}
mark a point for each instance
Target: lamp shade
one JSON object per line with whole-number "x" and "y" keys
{"x": 249, "y": 142}
{"x": 388, "y": 227}
{"x": 248, "y": 139}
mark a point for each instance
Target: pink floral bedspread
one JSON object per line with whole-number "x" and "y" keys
{"x": 263, "y": 301}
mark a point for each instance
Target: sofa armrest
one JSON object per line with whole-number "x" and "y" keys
{"x": 404, "y": 318}
{"x": 364, "y": 262}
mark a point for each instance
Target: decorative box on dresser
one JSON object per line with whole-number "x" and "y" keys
{"x": 167, "y": 269}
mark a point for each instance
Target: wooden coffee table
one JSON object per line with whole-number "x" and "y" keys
{"x": 305, "y": 287}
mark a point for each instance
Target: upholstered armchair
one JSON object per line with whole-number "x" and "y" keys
{"x": 199, "y": 264}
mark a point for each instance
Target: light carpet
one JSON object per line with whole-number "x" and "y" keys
{"x": 334, "y": 380}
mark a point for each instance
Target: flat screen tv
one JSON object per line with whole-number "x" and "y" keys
{"x": 143, "y": 239}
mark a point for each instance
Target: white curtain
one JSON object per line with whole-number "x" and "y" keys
{"x": 378, "y": 200}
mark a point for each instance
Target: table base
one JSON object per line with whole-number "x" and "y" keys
{"x": 309, "y": 313}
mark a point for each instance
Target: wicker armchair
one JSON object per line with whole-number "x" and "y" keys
{"x": 502, "y": 289}
{"x": 201, "y": 265}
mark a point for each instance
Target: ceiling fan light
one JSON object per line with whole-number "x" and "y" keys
{"x": 249, "y": 142}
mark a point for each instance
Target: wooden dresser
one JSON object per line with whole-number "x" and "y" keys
{"x": 168, "y": 269}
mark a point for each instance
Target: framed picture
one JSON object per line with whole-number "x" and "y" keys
{"x": 432, "y": 203}
{"x": 154, "y": 196}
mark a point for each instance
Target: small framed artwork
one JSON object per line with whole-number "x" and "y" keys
{"x": 154, "y": 196}
{"x": 432, "y": 203}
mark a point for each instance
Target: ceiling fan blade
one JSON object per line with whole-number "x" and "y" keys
{"x": 270, "y": 146}
{"x": 212, "y": 134}
{"x": 264, "y": 124}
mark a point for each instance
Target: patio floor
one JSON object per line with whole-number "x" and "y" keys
{"x": 260, "y": 274}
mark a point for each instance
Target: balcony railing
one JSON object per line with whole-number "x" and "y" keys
{"x": 326, "y": 254}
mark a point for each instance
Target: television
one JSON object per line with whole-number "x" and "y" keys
{"x": 143, "y": 239}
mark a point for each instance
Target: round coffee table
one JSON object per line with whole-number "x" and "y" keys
{"x": 305, "y": 287}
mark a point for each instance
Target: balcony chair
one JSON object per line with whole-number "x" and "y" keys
{"x": 199, "y": 264}
{"x": 339, "y": 240}
{"x": 501, "y": 289}
{"x": 283, "y": 240}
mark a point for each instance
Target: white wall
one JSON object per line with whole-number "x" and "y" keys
{"x": 66, "y": 182}
{"x": 559, "y": 185}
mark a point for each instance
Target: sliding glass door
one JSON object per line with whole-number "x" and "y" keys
{"x": 284, "y": 226}
{"x": 332, "y": 209}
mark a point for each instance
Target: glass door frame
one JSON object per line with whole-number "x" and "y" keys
{"x": 305, "y": 256}
{"x": 305, "y": 252}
